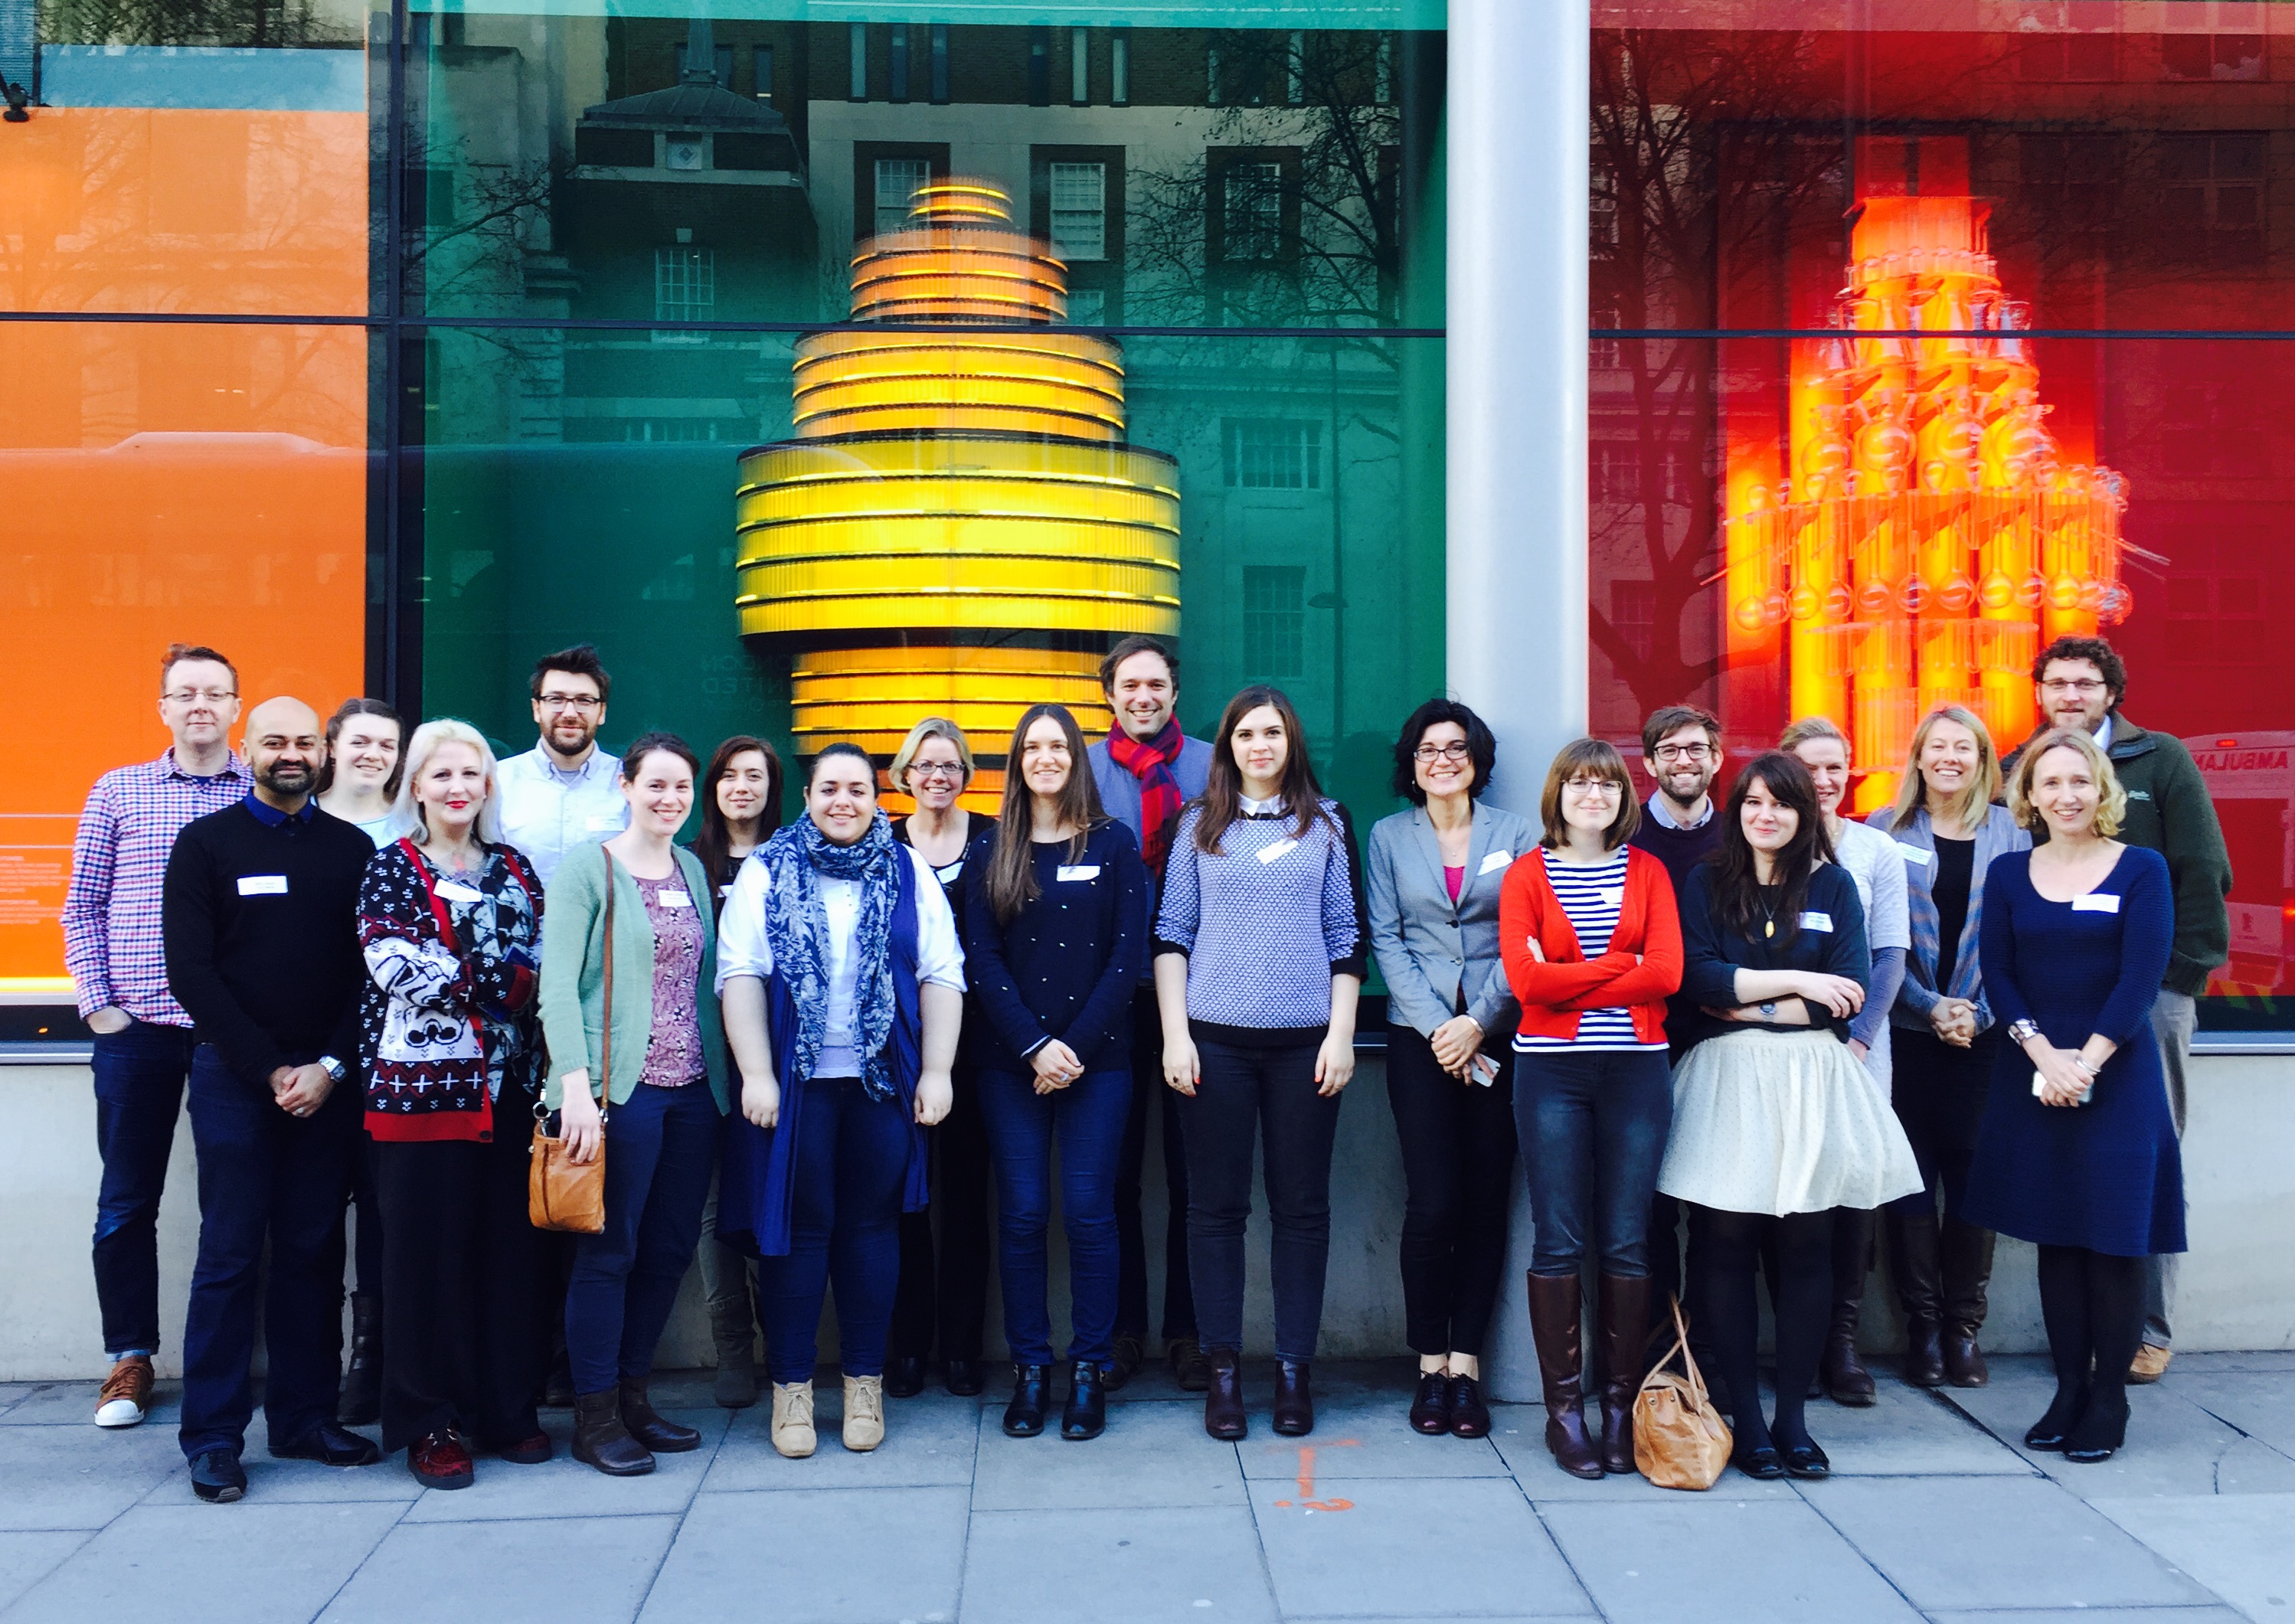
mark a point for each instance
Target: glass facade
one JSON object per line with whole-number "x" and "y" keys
{"x": 451, "y": 328}
{"x": 1924, "y": 335}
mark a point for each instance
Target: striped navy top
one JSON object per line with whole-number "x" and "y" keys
{"x": 1591, "y": 898}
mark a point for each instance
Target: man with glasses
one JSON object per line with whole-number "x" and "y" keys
{"x": 565, "y": 792}
{"x": 113, "y": 949}
{"x": 2081, "y": 682}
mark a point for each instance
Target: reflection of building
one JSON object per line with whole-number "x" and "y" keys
{"x": 959, "y": 526}
{"x": 1929, "y": 534}
{"x": 2253, "y": 785}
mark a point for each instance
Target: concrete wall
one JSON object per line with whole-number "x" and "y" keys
{"x": 2238, "y": 1283}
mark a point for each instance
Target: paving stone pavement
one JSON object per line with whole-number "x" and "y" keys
{"x": 1935, "y": 1512}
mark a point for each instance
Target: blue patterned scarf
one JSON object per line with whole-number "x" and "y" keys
{"x": 797, "y": 929}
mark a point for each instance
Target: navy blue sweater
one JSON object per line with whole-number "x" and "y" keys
{"x": 1830, "y": 939}
{"x": 1066, "y": 965}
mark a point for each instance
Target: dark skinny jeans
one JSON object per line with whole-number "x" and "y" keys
{"x": 1086, "y": 1119}
{"x": 139, "y": 1094}
{"x": 1593, "y": 1126}
{"x": 1239, "y": 1087}
{"x": 1457, "y": 1141}
{"x": 850, "y": 1172}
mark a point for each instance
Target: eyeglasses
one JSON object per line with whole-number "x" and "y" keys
{"x": 1683, "y": 753}
{"x": 1607, "y": 789}
{"x": 1457, "y": 750}
{"x": 569, "y": 702}
{"x": 950, "y": 770}
{"x": 2082, "y": 685}
{"x": 194, "y": 696}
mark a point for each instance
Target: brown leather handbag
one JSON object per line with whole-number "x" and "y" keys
{"x": 1680, "y": 1441}
{"x": 561, "y": 1192}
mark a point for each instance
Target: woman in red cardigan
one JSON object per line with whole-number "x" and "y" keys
{"x": 450, "y": 919}
{"x": 1592, "y": 946}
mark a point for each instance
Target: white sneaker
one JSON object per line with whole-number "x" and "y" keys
{"x": 127, "y": 1393}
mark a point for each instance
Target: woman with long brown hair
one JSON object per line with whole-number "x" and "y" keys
{"x": 1260, "y": 945}
{"x": 1055, "y": 937}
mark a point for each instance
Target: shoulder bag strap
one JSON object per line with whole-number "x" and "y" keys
{"x": 606, "y": 1035}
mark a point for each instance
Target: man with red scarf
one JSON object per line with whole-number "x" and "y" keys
{"x": 1146, "y": 770}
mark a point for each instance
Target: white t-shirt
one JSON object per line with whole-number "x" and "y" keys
{"x": 1874, "y": 861}
{"x": 742, "y": 949}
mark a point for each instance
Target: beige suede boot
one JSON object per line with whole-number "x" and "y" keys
{"x": 864, "y": 1412}
{"x": 793, "y": 1434}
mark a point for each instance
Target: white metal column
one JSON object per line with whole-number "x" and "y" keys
{"x": 1516, "y": 151}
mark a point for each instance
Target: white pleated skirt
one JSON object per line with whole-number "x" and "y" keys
{"x": 1781, "y": 1122}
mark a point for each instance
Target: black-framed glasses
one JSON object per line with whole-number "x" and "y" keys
{"x": 1683, "y": 753}
{"x": 569, "y": 702}
{"x": 1455, "y": 751}
{"x": 936, "y": 769}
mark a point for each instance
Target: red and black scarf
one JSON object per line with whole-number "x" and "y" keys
{"x": 1151, "y": 761}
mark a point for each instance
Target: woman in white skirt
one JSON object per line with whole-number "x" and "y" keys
{"x": 1775, "y": 1125}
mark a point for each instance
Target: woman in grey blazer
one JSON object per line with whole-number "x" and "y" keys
{"x": 1433, "y": 876}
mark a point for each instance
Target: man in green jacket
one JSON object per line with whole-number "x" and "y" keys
{"x": 2081, "y": 682}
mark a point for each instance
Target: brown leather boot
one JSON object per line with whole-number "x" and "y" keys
{"x": 601, "y": 1440}
{"x": 1965, "y": 1253}
{"x": 662, "y": 1437}
{"x": 1622, "y": 1320}
{"x": 1554, "y": 1326}
{"x": 1224, "y": 1417}
{"x": 1913, "y": 1244}
{"x": 1295, "y": 1399}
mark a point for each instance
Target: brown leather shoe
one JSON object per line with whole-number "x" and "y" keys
{"x": 601, "y": 1440}
{"x": 662, "y": 1437}
{"x": 127, "y": 1393}
{"x": 1470, "y": 1417}
{"x": 1223, "y": 1416}
{"x": 1295, "y": 1399}
{"x": 1554, "y": 1326}
{"x": 1430, "y": 1406}
{"x": 1189, "y": 1368}
{"x": 2151, "y": 1364}
{"x": 1126, "y": 1354}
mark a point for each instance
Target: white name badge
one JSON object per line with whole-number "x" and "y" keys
{"x": 952, "y": 874}
{"x": 263, "y": 884}
{"x": 1612, "y": 896}
{"x": 724, "y": 891}
{"x": 599, "y": 826}
{"x": 1281, "y": 848}
{"x": 1914, "y": 853}
{"x": 1079, "y": 871}
{"x": 1495, "y": 860}
{"x": 674, "y": 899}
{"x": 2096, "y": 902}
{"x": 456, "y": 891}
{"x": 1813, "y": 920}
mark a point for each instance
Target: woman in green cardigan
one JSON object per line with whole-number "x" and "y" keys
{"x": 663, "y": 1100}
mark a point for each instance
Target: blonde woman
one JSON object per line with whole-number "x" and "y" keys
{"x": 450, "y": 921}
{"x": 1949, "y": 834}
{"x": 2077, "y": 1152}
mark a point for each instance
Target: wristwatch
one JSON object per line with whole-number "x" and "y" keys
{"x": 331, "y": 1067}
{"x": 1769, "y": 1010}
{"x": 2023, "y": 1031}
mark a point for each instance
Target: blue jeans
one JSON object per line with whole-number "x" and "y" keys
{"x": 1592, "y": 1125}
{"x": 660, "y": 1146}
{"x": 1088, "y": 1118}
{"x": 850, "y": 1170}
{"x": 139, "y": 1093}
{"x": 264, "y": 1175}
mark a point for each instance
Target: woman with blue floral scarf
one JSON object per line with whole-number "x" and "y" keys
{"x": 843, "y": 987}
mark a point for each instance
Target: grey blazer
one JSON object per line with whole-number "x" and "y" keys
{"x": 1429, "y": 949}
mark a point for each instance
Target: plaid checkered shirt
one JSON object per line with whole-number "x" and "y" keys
{"x": 119, "y": 857}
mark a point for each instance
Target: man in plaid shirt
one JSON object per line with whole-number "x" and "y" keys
{"x": 142, "y": 1035}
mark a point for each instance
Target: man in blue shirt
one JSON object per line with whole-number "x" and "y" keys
{"x": 1146, "y": 770}
{"x": 565, "y": 792}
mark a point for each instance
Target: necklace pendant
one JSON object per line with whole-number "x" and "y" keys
{"x": 1769, "y": 928}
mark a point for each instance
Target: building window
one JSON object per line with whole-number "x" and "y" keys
{"x": 1119, "y": 67}
{"x": 898, "y": 63}
{"x": 1211, "y": 75}
{"x": 2211, "y": 56}
{"x": 1040, "y": 65}
{"x": 437, "y": 195}
{"x": 761, "y": 74}
{"x": 940, "y": 64}
{"x": 1251, "y": 211}
{"x": 1080, "y": 211}
{"x": 1269, "y": 453}
{"x": 669, "y": 430}
{"x": 684, "y": 289}
{"x": 2068, "y": 181}
{"x": 1602, "y": 211}
{"x": 1295, "y": 69}
{"x": 721, "y": 63}
{"x": 1274, "y": 619}
{"x": 1088, "y": 307}
{"x": 2212, "y": 201}
{"x": 1385, "y": 89}
{"x": 898, "y": 182}
{"x": 1078, "y": 67}
{"x": 1633, "y": 613}
{"x": 2067, "y": 58}
{"x": 857, "y": 63}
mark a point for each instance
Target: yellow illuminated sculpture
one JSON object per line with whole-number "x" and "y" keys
{"x": 1929, "y": 534}
{"x": 959, "y": 528}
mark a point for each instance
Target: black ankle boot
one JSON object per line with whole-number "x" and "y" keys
{"x": 904, "y": 1377}
{"x": 1031, "y": 1385}
{"x": 359, "y": 1402}
{"x": 1086, "y": 1414}
{"x": 659, "y": 1435}
{"x": 601, "y": 1440}
{"x": 1224, "y": 1417}
{"x": 1294, "y": 1402}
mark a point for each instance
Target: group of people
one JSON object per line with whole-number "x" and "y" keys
{"x": 380, "y": 962}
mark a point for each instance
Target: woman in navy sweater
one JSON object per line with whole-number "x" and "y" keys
{"x": 1259, "y": 961}
{"x": 1055, "y": 934}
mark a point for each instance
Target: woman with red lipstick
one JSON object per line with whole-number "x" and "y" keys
{"x": 450, "y": 919}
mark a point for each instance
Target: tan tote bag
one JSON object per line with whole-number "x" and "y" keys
{"x": 561, "y": 1192}
{"x": 1680, "y": 1441}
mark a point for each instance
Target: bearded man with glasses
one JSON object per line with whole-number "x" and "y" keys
{"x": 565, "y": 792}
{"x": 2081, "y": 682}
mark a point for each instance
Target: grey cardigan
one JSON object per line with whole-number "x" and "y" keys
{"x": 1996, "y": 836}
{"x": 1428, "y": 948}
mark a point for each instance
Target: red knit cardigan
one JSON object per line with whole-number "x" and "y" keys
{"x": 1553, "y": 993}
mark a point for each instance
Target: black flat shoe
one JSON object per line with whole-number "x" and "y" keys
{"x": 1430, "y": 1407}
{"x": 1807, "y": 1460}
{"x": 1763, "y": 1465}
{"x": 1470, "y": 1417}
{"x": 2100, "y": 1431}
{"x": 1086, "y": 1413}
{"x": 963, "y": 1377}
{"x": 330, "y": 1444}
{"x": 217, "y": 1477}
{"x": 1023, "y": 1418}
{"x": 2046, "y": 1435}
{"x": 1295, "y": 1399}
{"x": 905, "y": 1377}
